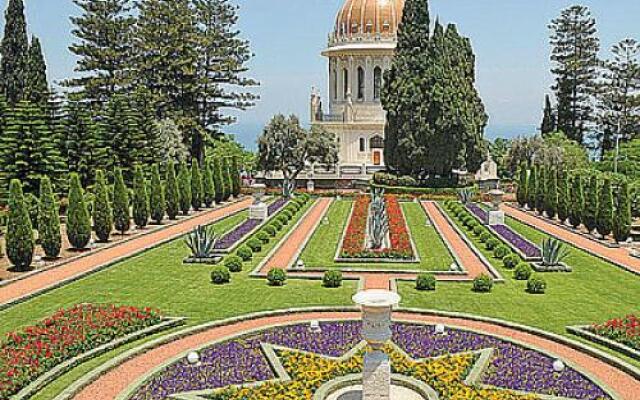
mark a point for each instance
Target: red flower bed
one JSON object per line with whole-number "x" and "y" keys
{"x": 27, "y": 354}
{"x": 354, "y": 244}
{"x": 622, "y": 330}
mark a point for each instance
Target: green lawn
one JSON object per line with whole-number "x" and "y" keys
{"x": 594, "y": 292}
{"x": 322, "y": 248}
{"x": 159, "y": 279}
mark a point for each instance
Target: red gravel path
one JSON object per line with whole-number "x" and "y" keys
{"x": 618, "y": 256}
{"x": 114, "y": 383}
{"x": 73, "y": 269}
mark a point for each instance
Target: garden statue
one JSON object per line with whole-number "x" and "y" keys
{"x": 496, "y": 216}
{"x": 259, "y": 210}
{"x": 378, "y": 220}
{"x": 487, "y": 177}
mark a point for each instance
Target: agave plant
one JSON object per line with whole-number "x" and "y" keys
{"x": 378, "y": 219}
{"x": 465, "y": 195}
{"x": 554, "y": 252}
{"x": 201, "y": 241}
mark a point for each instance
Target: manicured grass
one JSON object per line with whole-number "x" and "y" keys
{"x": 595, "y": 291}
{"x": 321, "y": 250}
{"x": 158, "y": 278}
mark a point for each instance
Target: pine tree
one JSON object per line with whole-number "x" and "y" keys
{"x": 37, "y": 87}
{"x": 148, "y": 147}
{"x": 604, "y": 216}
{"x": 551, "y": 194}
{"x": 227, "y": 178}
{"x": 184, "y": 187}
{"x": 622, "y": 219}
{"x": 575, "y": 49}
{"x": 521, "y": 193}
{"x": 30, "y": 150}
{"x": 14, "y": 52}
{"x": 577, "y": 201}
{"x": 157, "y": 200}
{"x": 140, "y": 198}
{"x": 197, "y": 187}
{"x": 591, "y": 197}
{"x": 235, "y": 174}
{"x": 532, "y": 187}
{"x": 121, "y": 212}
{"x": 102, "y": 211}
{"x": 565, "y": 199}
{"x": 49, "y": 220}
{"x": 549, "y": 119}
{"x": 103, "y": 46}
{"x": 218, "y": 180}
{"x": 209, "y": 185}
{"x": 78, "y": 219}
{"x": 172, "y": 192}
{"x": 81, "y": 141}
{"x": 19, "y": 239}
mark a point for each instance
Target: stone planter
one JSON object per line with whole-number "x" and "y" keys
{"x": 205, "y": 260}
{"x": 562, "y": 267}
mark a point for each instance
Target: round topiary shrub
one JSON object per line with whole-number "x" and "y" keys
{"x": 492, "y": 243}
{"x": 501, "y": 251}
{"x": 472, "y": 224}
{"x": 478, "y": 230}
{"x": 511, "y": 261}
{"x": 536, "y": 285}
{"x": 426, "y": 282}
{"x": 522, "y": 272}
{"x": 255, "y": 245}
{"x": 277, "y": 277}
{"x": 277, "y": 224}
{"x": 287, "y": 214}
{"x": 483, "y": 284}
{"x": 332, "y": 279}
{"x": 271, "y": 230}
{"x": 283, "y": 220}
{"x": 220, "y": 275}
{"x": 485, "y": 236}
{"x": 263, "y": 237}
{"x": 245, "y": 253}
{"x": 233, "y": 263}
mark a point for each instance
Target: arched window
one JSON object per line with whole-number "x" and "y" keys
{"x": 363, "y": 145}
{"x": 334, "y": 76}
{"x": 377, "y": 83}
{"x": 345, "y": 82}
{"x": 360, "y": 83}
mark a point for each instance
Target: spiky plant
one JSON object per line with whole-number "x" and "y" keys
{"x": 201, "y": 242}
{"x": 554, "y": 252}
{"x": 465, "y": 195}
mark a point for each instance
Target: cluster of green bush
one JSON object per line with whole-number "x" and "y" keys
{"x": 522, "y": 270}
{"x": 257, "y": 241}
{"x": 105, "y": 207}
{"x": 598, "y": 201}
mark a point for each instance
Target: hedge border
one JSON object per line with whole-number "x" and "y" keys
{"x": 583, "y": 332}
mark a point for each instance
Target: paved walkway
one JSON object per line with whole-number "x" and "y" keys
{"x": 469, "y": 260}
{"x": 619, "y": 256}
{"x": 56, "y": 276}
{"x": 115, "y": 382}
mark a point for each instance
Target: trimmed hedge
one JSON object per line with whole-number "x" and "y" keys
{"x": 276, "y": 277}
{"x": 426, "y": 282}
{"x": 220, "y": 275}
{"x": 482, "y": 284}
{"x": 332, "y": 279}
{"x": 245, "y": 253}
{"x": 536, "y": 285}
{"x": 522, "y": 272}
{"x": 233, "y": 263}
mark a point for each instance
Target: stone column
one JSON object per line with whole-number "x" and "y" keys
{"x": 376, "y": 308}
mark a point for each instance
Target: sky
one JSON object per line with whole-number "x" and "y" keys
{"x": 510, "y": 39}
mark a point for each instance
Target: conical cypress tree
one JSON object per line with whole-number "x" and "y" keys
{"x": 37, "y": 87}
{"x": 237, "y": 180}
{"x": 622, "y": 220}
{"x": 102, "y": 211}
{"x": 140, "y": 198}
{"x": 521, "y": 193}
{"x": 551, "y": 194}
{"x": 540, "y": 190}
{"x": 209, "y": 185}
{"x": 197, "y": 188}
{"x": 532, "y": 188}
{"x": 218, "y": 180}
{"x": 121, "y": 213}
{"x": 604, "y": 217}
{"x": 564, "y": 196}
{"x": 591, "y": 203}
{"x": 156, "y": 200}
{"x": 14, "y": 51}
{"x": 184, "y": 186}
{"x": 577, "y": 201}
{"x": 78, "y": 219}
{"x": 227, "y": 178}
{"x": 49, "y": 220}
{"x": 19, "y": 239}
{"x": 172, "y": 191}
{"x": 549, "y": 120}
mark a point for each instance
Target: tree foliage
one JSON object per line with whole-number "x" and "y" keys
{"x": 209, "y": 185}
{"x": 19, "y": 239}
{"x": 78, "y": 218}
{"x": 36, "y": 84}
{"x": 549, "y": 119}
{"x": 197, "y": 186}
{"x": 14, "y": 50}
{"x": 577, "y": 201}
{"x": 121, "y": 212}
{"x": 622, "y": 219}
{"x": 49, "y": 220}
{"x": 591, "y": 201}
{"x": 605, "y": 211}
{"x": 184, "y": 187}
{"x": 156, "y": 197}
{"x": 140, "y": 198}
{"x": 102, "y": 211}
{"x": 172, "y": 191}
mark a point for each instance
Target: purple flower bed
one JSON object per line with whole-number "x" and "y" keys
{"x": 477, "y": 211}
{"x": 527, "y": 248}
{"x": 240, "y": 360}
{"x": 233, "y": 237}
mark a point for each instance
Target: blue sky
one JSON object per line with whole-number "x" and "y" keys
{"x": 510, "y": 38}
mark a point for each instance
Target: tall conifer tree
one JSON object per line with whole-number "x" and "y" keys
{"x": 172, "y": 191}
{"x": 209, "y": 185}
{"x": 19, "y": 239}
{"x": 622, "y": 219}
{"x": 591, "y": 200}
{"x": 156, "y": 197}
{"x": 81, "y": 141}
{"x": 604, "y": 216}
{"x": 121, "y": 211}
{"x": 576, "y": 211}
{"x": 78, "y": 218}
{"x": 140, "y": 198}
{"x": 37, "y": 87}
{"x": 102, "y": 211}
{"x": 14, "y": 52}
{"x": 549, "y": 118}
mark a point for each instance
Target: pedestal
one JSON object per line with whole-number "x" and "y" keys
{"x": 259, "y": 211}
{"x": 311, "y": 186}
{"x": 376, "y": 380}
{"x": 496, "y": 218}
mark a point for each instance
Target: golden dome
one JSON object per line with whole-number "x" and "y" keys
{"x": 368, "y": 18}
